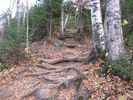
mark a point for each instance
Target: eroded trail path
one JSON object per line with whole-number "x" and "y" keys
{"x": 58, "y": 73}
{"x": 48, "y": 78}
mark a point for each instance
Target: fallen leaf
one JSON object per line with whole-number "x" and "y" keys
{"x": 97, "y": 84}
{"x": 122, "y": 97}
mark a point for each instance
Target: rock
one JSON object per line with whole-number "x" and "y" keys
{"x": 41, "y": 93}
{"x": 52, "y": 74}
{"x": 65, "y": 52}
{"x": 58, "y": 43}
{"x": 46, "y": 56}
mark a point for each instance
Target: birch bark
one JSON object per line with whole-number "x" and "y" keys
{"x": 113, "y": 29}
{"x": 18, "y": 14}
{"x": 11, "y": 6}
{"x": 8, "y": 17}
{"x": 50, "y": 31}
{"x": 97, "y": 27}
{"x": 62, "y": 22}
{"x": 66, "y": 21}
{"x": 75, "y": 20}
{"x": 80, "y": 18}
{"x": 24, "y": 16}
{"x": 27, "y": 41}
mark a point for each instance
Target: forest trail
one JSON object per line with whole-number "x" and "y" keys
{"x": 63, "y": 76}
{"x": 26, "y": 78}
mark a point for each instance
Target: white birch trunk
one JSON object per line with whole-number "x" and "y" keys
{"x": 97, "y": 26}
{"x": 2, "y": 33}
{"x": 24, "y": 16}
{"x": 27, "y": 41}
{"x": 50, "y": 31}
{"x": 9, "y": 13}
{"x": 75, "y": 20}
{"x": 66, "y": 21}
{"x": 80, "y": 18}
{"x": 62, "y": 22}
{"x": 113, "y": 29}
{"x": 18, "y": 15}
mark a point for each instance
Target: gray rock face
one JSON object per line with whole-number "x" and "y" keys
{"x": 41, "y": 93}
{"x": 65, "y": 52}
{"x": 46, "y": 56}
{"x": 58, "y": 43}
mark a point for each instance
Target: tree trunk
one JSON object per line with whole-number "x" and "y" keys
{"x": 75, "y": 20}
{"x": 66, "y": 21}
{"x": 88, "y": 19}
{"x": 2, "y": 33}
{"x": 97, "y": 27}
{"x": 24, "y": 16}
{"x": 80, "y": 18}
{"x": 18, "y": 15}
{"x": 50, "y": 31}
{"x": 8, "y": 17}
{"x": 113, "y": 29}
{"x": 18, "y": 29}
{"x": 27, "y": 41}
{"x": 62, "y": 22}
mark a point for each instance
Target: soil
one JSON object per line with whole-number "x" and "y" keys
{"x": 42, "y": 79}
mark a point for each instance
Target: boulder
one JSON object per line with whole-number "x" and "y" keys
{"x": 41, "y": 93}
{"x": 58, "y": 43}
{"x": 65, "y": 52}
{"x": 46, "y": 56}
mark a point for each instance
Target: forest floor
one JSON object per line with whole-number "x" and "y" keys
{"x": 58, "y": 77}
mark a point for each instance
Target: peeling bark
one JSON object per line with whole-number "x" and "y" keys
{"x": 113, "y": 29}
{"x": 62, "y": 22}
{"x": 24, "y": 16}
{"x": 97, "y": 27}
{"x": 18, "y": 14}
{"x": 66, "y": 21}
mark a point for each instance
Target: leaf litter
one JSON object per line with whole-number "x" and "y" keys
{"x": 13, "y": 85}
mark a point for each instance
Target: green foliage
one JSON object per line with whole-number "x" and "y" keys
{"x": 127, "y": 13}
{"x": 122, "y": 68}
{"x": 68, "y": 7}
{"x": 4, "y": 66}
{"x": 70, "y": 23}
{"x": 126, "y": 9}
{"x": 12, "y": 44}
{"x": 40, "y": 16}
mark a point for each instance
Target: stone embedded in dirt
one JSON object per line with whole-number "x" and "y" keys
{"x": 58, "y": 43}
{"x": 65, "y": 52}
{"x": 41, "y": 93}
{"x": 46, "y": 56}
{"x": 52, "y": 74}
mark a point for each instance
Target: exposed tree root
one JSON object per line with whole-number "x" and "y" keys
{"x": 36, "y": 84}
{"x": 34, "y": 92}
{"x": 64, "y": 84}
{"x": 88, "y": 94}
{"x": 94, "y": 56}
{"x": 50, "y": 80}
{"x": 48, "y": 98}
{"x": 63, "y": 60}
{"x": 34, "y": 75}
{"x": 42, "y": 66}
{"x": 77, "y": 70}
{"x": 79, "y": 91}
